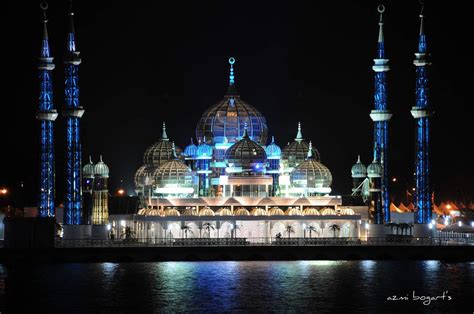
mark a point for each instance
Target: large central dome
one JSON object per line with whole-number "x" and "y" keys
{"x": 224, "y": 122}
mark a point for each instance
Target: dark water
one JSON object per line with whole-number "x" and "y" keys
{"x": 301, "y": 286}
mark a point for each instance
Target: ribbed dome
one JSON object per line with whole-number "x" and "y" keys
{"x": 246, "y": 153}
{"x": 273, "y": 150}
{"x": 311, "y": 174}
{"x": 258, "y": 211}
{"x": 296, "y": 152}
{"x": 241, "y": 211}
{"x": 328, "y": 211}
{"x": 359, "y": 170}
{"x": 224, "y": 122}
{"x": 173, "y": 173}
{"x": 276, "y": 211}
{"x": 191, "y": 150}
{"x": 206, "y": 211}
{"x": 172, "y": 212}
{"x": 101, "y": 169}
{"x": 190, "y": 212}
{"x": 160, "y": 151}
{"x": 144, "y": 176}
{"x": 293, "y": 211}
{"x": 88, "y": 169}
{"x": 310, "y": 211}
{"x": 224, "y": 211}
{"x": 204, "y": 149}
{"x": 374, "y": 170}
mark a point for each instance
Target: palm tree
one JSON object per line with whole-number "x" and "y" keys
{"x": 128, "y": 234}
{"x": 186, "y": 229}
{"x": 289, "y": 230}
{"x": 311, "y": 228}
{"x": 334, "y": 228}
{"x": 208, "y": 227}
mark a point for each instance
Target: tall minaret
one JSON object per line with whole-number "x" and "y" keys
{"x": 422, "y": 112}
{"x": 46, "y": 114}
{"x": 73, "y": 113}
{"x": 381, "y": 115}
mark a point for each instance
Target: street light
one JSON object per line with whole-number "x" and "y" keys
{"x": 121, "y": 191}
{"x": 3, "y": 191}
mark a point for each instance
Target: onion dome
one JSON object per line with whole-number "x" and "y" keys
{"x": 173, "y": 176}
{"x": 273, "y": 151}
{"x": 295, "y": 152}
{"x": 246, "y": 154}
{"x": 374, "y": 170}
{"x": 160, "y": 151}
{"x": 204, "y": 150}
{"x": 88, "y": 169}
{"x": 359, "y": 170}
{"x": 224, "y": 122}
{"x": 144, "y": 176}
{"x": 311, "y": 175}
{"x": 191, "y": 150}
{"x": 101, "y": 169}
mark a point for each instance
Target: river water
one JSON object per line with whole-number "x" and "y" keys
{"x": 293, "y": 286}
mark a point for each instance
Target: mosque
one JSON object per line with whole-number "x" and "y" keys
{"x": 231, "y": 181}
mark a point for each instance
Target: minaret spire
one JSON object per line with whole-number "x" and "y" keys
{"x": 381, "y": 115}
{"x": 310, "y": 151}
{"x": 73, "y": 112}
{"x": 422, "y": 113}
{"x": 46, "y": 114}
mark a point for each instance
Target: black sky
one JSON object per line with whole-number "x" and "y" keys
{"x": 151, "y": 61}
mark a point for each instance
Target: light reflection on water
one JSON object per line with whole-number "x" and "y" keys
{"x": 236, "y": 286}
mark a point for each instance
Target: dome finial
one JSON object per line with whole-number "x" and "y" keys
{"x": 310, "y": 150}
{"x": 90, "y": 159}
{"x": 231, "y": 90}
{"x": 381, "y": 10}
{"x": 173, "y": 148}
{"x": 164, "y": 136}
{"x": 246, "y": 134}
{"x": 100, "y": 158}
{"x": 299, "y": 135}
{"x": 273, "y": 139}
{"x": 422, "y": 16}
{"x": 192, "y": 142}
{"x": 358, "y": 159}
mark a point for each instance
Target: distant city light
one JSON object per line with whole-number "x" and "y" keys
{"x": 448, "y": 206}
{"x": 414, "y": 189}
{"x": 121, "y": 191}
{"x": 3, "y": 191}
{"x": 394, "y": 179}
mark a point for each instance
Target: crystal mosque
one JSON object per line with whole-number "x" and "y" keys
{"x": 232, "y": 181}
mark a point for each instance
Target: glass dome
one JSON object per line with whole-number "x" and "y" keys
{"x": 273, "y": 151}
{"x": 374, "y": 170}
{"x": 246, "y": 154}
{"x": 160, "y": 151}
{"x": 101, "y": 169}
{"x": 358, "y": 170}
{"x": 191, "y": 150}
{"x": 204, "y": 149}
{"x": 296, "y": 152}
{"x": 144, "y": 176}
{"x": 224, "y": 122}
{"x": 173, "y": 174}
{"x": 88, "y": 169}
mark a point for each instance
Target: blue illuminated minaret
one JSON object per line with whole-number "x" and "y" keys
{"x": 422, "y": 112}
{"x": 46, "y": 114}
{"x": 381, "y": 115}
{"x": 273, "y": 152}
{"x": 73, "y": 113}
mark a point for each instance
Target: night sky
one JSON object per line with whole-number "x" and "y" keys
{"x": 152, "y": 61}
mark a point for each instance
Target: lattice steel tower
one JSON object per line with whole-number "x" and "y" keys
{"x": 422, "y": 112}
{"x": 73, "y": 113}
{"x": 46, "y": 114}
{"x": 381, "y": 115}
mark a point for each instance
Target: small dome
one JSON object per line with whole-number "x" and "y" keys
{"x": 241, "y": 211}
{"x": 328, "y": 211}
{"x": 347, "y": 211}
{"x": 173, "y": 173}
{"x": 359, "y": 170}
{"x": 276, "y": 211}
{"x": 88, "y": 169}
{"x": 293, "y": 211}
{"x": 190, "y": 212}
{"x": 246, "y": 154}
{"x": 295, "y": 152}
{"x": 224, "y": 211}
{"x": 312, "y": 175}
{"x": 224, "y": 121}
{"x": 191, "y": 150}
{"x": 258, "y": 211}
{"x": 101, "y": 169}
{"x": 310, "y": 211}
{"x": 273, "y": 151}
{"x": 206, "y": 211}
{"x": 172, "y": 212}
{"x": 160, "y": 151}
{"x": 144, "y": 176}
{"x": 374, "y": 170}
{"x": 204, "y": 149}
